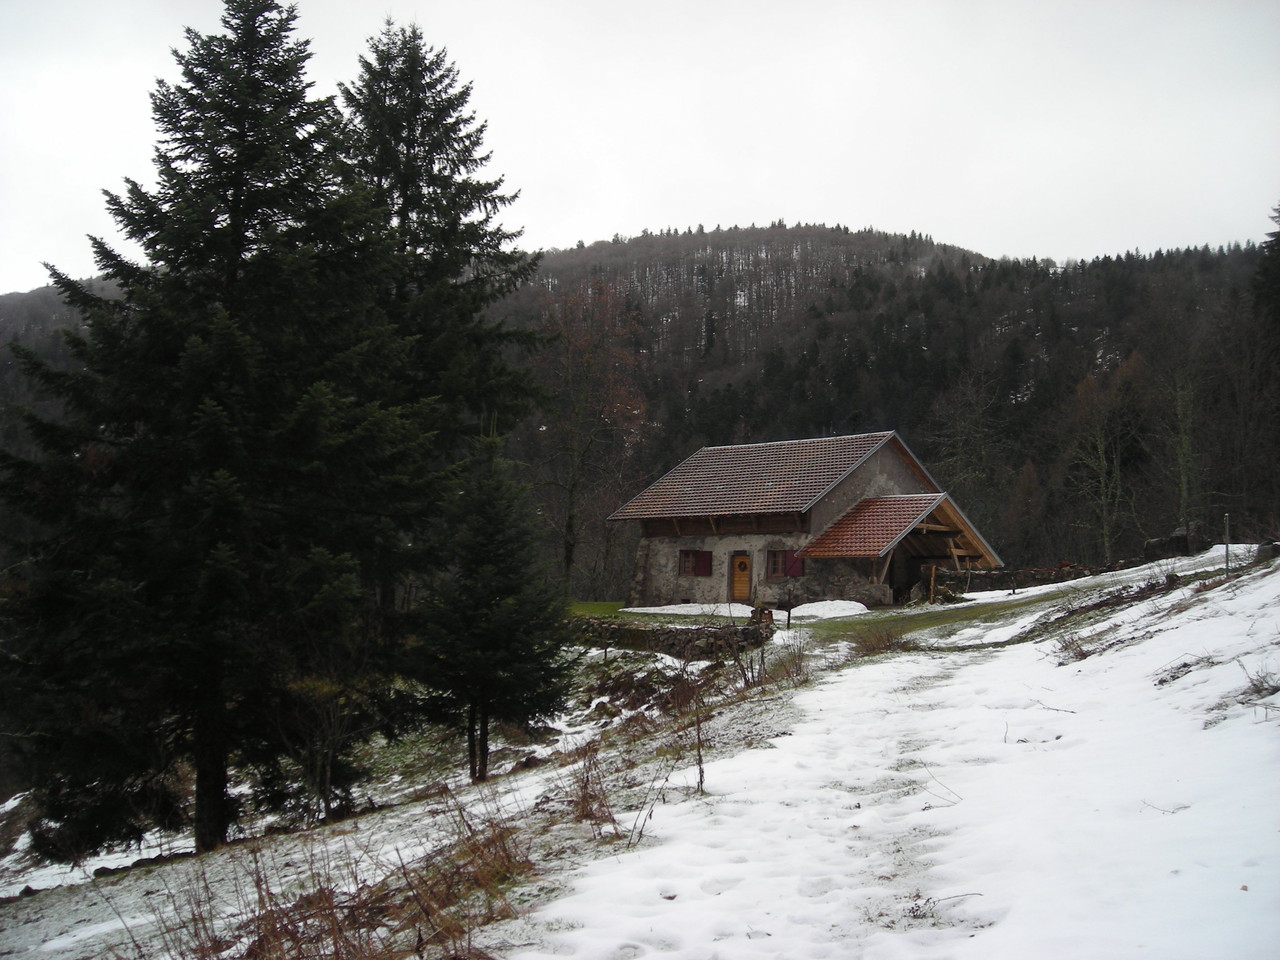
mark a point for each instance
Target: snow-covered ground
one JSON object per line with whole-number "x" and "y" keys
{"x": 995, "y": 804}
{"x": 738, "y": 611}
{"x": 1107, "y": 789}
{"x": 825, "y": 609}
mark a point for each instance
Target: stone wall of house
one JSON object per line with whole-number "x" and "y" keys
{"x": 658, "y": 581}
{"x": 843, "y": 579}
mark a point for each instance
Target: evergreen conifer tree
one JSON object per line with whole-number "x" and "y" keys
{"x": 497, "y": 650}
{"x": 413, "y": 139}
{"x": 228, "y": 501}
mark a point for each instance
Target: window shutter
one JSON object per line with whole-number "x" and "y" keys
{"x": 792, "y": 565}
{"x": 702, "y": 563}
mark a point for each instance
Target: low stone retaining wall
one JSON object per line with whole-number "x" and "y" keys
{"x": 687, "y": 643}
{"x": 977, "y": 581}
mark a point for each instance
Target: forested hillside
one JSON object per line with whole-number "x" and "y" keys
{"x": 1073, "y": 410}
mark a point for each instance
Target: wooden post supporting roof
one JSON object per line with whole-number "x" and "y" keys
{"x": 884, "y": 570}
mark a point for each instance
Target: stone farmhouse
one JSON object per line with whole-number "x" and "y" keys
{"x": 780, "y": 524}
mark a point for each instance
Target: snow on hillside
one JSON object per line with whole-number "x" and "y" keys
{"x": 998, "y": 804}
{"x": 1106, "y": 789}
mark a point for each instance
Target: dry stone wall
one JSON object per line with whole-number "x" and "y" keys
{"x": 686, "y": 643}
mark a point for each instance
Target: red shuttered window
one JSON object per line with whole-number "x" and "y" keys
{"x": 784, "y": 563}
{"x": 695, "y": 563}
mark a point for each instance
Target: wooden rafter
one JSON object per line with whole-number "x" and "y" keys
{"x": 944, "y": 528}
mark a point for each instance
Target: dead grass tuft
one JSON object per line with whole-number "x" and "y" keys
{"x": 453, "y": 893}
{"x": 789, "y": 664}
{"x": 1071, "y": 648}
{"x": 427, "y": 908}
{"x": 875, "y": 639}
{"x": 1262, "y": 682}
{"x": 590, "y": 793}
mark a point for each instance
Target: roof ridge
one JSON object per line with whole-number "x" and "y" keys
{"x": 778, "y": 443}
{"x": 904, "y": 496}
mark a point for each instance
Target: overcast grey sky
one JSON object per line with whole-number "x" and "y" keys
{"x": 1011, "y": 127}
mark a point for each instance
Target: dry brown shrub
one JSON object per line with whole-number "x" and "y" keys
{"x": 590, "y": 793}
{"x": 427, "y": 908}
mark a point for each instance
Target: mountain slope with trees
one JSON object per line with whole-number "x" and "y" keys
{"x": 1074, "y": 410}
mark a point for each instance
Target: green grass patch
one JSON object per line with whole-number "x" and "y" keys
{"x": 930, "y": 625}
{"x": 597, "y": 609}
{"x": 424, "y": 756}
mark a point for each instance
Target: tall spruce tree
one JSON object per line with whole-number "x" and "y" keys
{"x": 412, "y": 137}
{"x": 230, "y": 494}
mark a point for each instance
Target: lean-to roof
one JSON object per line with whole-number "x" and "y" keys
{"x": 875, "y": 525}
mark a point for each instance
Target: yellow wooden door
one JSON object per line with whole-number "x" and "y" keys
{"x": 740, "y": 578}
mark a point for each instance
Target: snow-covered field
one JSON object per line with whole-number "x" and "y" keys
{"x": 1107, "y": 789}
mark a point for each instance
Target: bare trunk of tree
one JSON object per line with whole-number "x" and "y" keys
{"x": 473, "y": 767}
{"x": 484, "y": 743}
{"x": 209, "y": 754}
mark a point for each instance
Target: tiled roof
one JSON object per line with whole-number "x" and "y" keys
{"x": 784, "y": 477}
{"x": 873, "y": 526}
